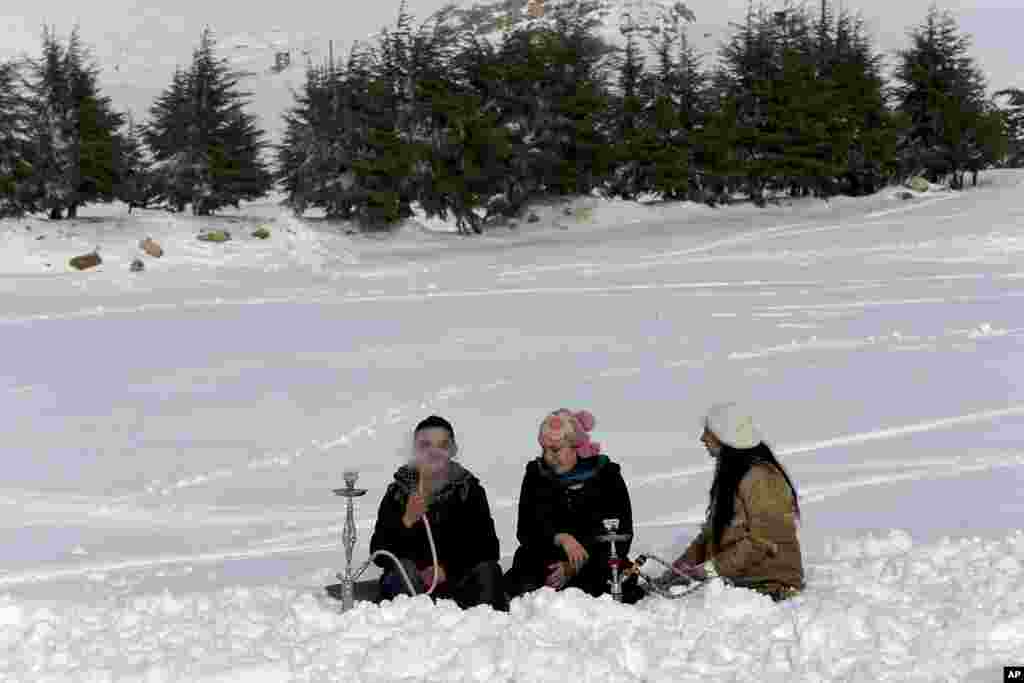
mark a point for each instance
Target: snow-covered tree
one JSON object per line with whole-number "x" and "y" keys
{"x": 137, "y": 186}
{"x": 15, "y": 165}
{"x": 207, "y": 150}
{"x": 74, "y": 129}
{"x": 1013, "y": 112}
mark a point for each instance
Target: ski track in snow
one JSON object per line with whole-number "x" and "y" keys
{"x": 324, "y": 539}
{"x": 915, "y": 470}
{"x": 397, "y": 415}
{"x": 789, "y": 230}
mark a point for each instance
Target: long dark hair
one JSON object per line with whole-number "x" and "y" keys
{"x": 733, "y": 465}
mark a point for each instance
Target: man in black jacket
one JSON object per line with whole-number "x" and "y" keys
{"x": 452, "y": 499}
{"x": 566, "y": 495}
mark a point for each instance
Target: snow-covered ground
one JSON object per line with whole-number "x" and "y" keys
{"x": 171, "y": 436}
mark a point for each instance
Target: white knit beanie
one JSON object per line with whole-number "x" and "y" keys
{"x": 732, "y": 425}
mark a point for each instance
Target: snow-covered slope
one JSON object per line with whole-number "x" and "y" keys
{"x": 170, "y": 437}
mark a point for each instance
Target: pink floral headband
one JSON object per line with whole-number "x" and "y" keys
{"x": 564, "y": 424}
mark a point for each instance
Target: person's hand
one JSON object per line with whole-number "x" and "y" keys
{"x": 575, "y": 552}
{"x": 681, "y": 564}
{"x": 693, "y": 571}
{"x": 427, "y": 575}
{"x": 415, "y": 506}
{"x": 558, "y": 575}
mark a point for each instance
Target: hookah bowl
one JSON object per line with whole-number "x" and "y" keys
{"x": 348, "y": 537}
{"x": 614, "y": 561}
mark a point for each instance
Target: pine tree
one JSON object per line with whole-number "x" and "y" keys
{"x": 634, "y": 141}
{"x": 207, "y": 149}
{"x": 52, "y": 155}
{"x": 943, "y": 93}
{"x": 15, "y": 166}
{"x": 749, "y": 65}
{"x": 1013, "y": 113}
{"x": 676, "y": 111}
{"x": 860, "y": 118}
{"x": 578, "y": 96}
{"x": 515, "y": 77}
{"x": 74, "y": 130}
{"x": 169, "y": 136}
{"x": 136, "y": 183}
{"x": 801, "y": 148}
{"x": 96, "y": 144}
{"x": 305, "y": 168}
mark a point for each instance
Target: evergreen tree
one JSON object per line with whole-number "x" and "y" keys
{"x": 15, "y": 167}
{"x": 576, "y": 91}
{"x": 96, "y": 144}
{"x": 469, "y": 151}
{"x": 1013, "y": 113}
{"x": 749, "y": 65}
{"x": 860, "y": 118}
{"x": 217, "y": 160}
{"x": 634, "y": 141}
{"x": 169, "y": 136}
{"x": 515, "y": 77}
{"x": 943, "y": 93}
{"x": 74, "y": 130}
{"x": 677, "y": 111}
{"x": 136, "y": 183}
{"x": 50, "y": 186}
{"x": 304, "y": 158}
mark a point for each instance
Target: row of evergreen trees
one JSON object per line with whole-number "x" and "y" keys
{"x": 62, "y": 144}
{"x": 439, "y": 116}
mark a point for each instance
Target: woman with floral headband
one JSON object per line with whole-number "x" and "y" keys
{"x": 567, "y": 493}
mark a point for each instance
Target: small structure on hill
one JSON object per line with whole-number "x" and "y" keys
{"x": 282, "y": 60}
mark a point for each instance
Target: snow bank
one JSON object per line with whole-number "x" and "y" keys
{"x": 879, "y": 609}
{"x": 34, "y": 245}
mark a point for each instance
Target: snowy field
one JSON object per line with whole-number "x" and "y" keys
{"x": 171, "y": 436}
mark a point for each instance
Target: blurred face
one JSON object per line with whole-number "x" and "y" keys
{"x": 433, "y": 448}
{"x": 711, "y": 443}
{"x": 561, "y": 457}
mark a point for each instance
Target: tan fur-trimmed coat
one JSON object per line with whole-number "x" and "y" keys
{"x": 760, "y": 548}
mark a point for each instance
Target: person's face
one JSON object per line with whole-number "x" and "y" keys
{"x": 433, "y": 447}
{"x": 561, "y": 458}
{"x": 711, "y": 443}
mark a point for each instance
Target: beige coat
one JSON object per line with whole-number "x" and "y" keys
{"x": 760, "y": 548}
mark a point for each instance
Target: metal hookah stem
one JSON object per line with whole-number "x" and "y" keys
{"x": 349, "y": 539}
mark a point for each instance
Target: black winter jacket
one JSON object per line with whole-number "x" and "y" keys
{"x": 549, "y": 506}
{"x": 460, "y": 520}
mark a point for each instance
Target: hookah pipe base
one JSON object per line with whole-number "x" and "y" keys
{"x": 366, "y": 591}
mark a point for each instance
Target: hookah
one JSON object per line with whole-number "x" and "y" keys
{"x": 348, "y": 539}
{"x": 670, "y": 588}
{"x": 616, "y": 563}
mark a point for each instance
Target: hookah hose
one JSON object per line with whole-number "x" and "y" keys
{"x": 658, "y": 586}
{"x": 401, "y": 568}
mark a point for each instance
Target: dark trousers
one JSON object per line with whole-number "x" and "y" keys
{"x": 481, "y": 585}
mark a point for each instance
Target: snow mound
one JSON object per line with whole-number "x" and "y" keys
{"x": 34, "y": 245}
{"x": 877, "y": 609}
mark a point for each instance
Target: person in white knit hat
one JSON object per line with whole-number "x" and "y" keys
{"x": 750, "y": 534}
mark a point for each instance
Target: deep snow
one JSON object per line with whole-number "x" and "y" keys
{"x": 171, "y": 437}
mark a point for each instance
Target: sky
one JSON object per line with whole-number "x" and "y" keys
{"x": 138, "y": 48}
